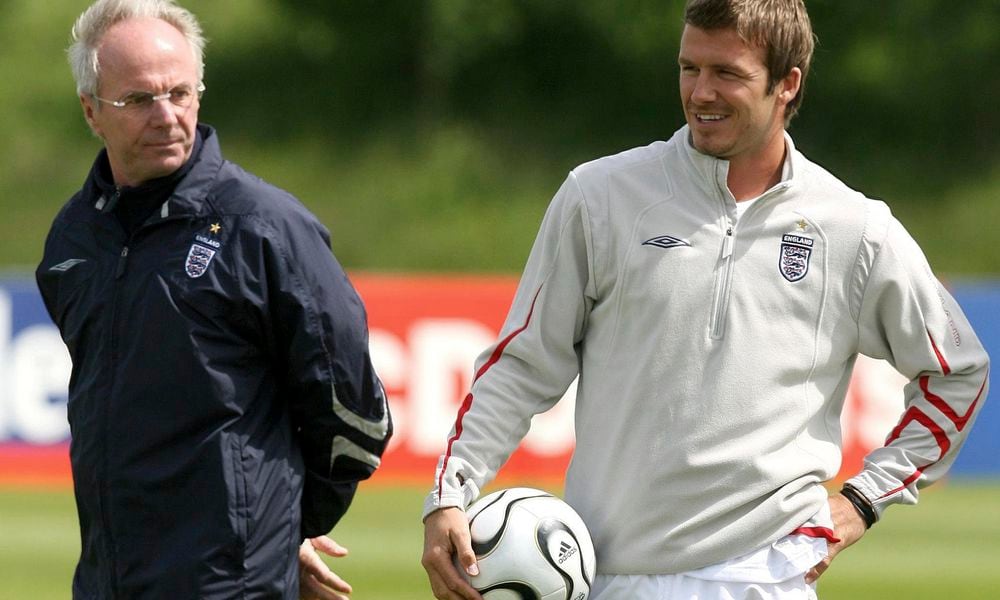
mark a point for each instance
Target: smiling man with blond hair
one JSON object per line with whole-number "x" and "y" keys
{"x": 712, "y": 293}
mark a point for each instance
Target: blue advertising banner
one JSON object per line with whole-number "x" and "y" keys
{"x": 981, "y": 453}
{"x": 34, "y": 368}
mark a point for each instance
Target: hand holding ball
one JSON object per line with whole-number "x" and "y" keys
{"x": 530, "y": 545}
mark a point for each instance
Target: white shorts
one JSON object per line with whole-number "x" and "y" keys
{"x": 773, "y": 572}
{"x": 683, "y": 587}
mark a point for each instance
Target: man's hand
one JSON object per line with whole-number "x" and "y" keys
{"x": 847, "y": 525}
{"x": 316, "y": 580}
{"x": 446, "y": 533}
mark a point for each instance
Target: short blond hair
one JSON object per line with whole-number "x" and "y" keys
{"x": 781, "y": 27}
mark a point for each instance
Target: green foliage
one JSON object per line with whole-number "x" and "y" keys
{"x": 430, "y": 134}
{"x": 945, "y": 547}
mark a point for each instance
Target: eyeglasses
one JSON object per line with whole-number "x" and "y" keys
{"x": 140, "y": 102}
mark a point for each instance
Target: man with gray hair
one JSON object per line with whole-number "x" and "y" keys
{"x": 223, "y": 405}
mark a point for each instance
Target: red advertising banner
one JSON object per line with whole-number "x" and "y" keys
{"x": 426, "y": 332}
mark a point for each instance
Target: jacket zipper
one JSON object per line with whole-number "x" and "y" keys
{"x": 113, "y": 360}
{"x": 720, "y": 304}
{"x": 723, "y": 285}
{"x": 724, "y": 281}
{"x": 120, "y": 268}
{"x": 122, "y": 260}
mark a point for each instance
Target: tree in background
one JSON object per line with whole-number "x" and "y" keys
{"x": 444, "y": 124}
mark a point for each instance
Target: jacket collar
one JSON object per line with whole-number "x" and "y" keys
{"x": 192, "y": 192}
{"x": 712, "y": 173}
{"x": 190, "y": 196}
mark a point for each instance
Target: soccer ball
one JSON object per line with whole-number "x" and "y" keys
{"x": 530, "y": 545}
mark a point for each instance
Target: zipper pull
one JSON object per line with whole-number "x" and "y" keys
{"x": 113, "y": 201}
{"x": 727, "y": 244}
{"x": 121, "y": 263}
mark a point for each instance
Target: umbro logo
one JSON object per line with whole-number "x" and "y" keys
{"x": 565, "y": 551}
{"x": 666, "y": 241}
{"x": 66, "y": 265}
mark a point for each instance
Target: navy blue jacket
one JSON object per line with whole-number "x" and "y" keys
{"x": 222, "y": 404}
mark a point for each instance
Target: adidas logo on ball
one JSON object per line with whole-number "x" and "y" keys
{"x": 565, "y": 551}
{"x": 530, "y": 545}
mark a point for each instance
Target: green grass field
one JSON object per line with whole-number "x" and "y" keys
{"x": 947, "y": 548}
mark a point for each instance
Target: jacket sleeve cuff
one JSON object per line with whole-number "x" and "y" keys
{"x": 324, "y": 502}
{"x": 450, "y": 496}
{"x": 882, "y": 491}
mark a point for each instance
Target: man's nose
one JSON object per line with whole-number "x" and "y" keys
{"x": 704, "y": 89}
{"x": 163, "y": 111}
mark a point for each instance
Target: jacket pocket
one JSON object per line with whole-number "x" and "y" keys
{"x": 239, "y": 504}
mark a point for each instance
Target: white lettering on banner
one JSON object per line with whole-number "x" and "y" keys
{"x": 442, "y": 367}
{"x": 427, "y": 370}
{"x": 41, "y": 369}
{"x": 34, "y": 371}
{"x": 552, "y": 432}
{"x": 6, "y": 315}
{"x": 391, "y": 362}
{"x": 430, "y": 375}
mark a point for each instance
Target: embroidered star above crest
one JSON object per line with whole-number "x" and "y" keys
{"x": 802, "y": 225}
{"x": 215, "y": 228}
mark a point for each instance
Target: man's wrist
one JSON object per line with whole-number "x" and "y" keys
{"x": 864, "y": 506}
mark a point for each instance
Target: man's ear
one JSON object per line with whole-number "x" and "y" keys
{"x": 88, "y": 104}
{"x": 788, "y": 87}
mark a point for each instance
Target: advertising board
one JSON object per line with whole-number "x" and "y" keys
{"x": 426, "y": 332}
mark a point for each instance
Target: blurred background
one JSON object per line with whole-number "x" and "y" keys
{"x": 429, "y": 136}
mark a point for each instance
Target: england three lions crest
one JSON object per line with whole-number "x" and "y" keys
{"x": 198, "y": 259}
{"x": 794, "y": 260}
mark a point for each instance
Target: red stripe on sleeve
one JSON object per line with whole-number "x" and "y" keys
{"x": 941, "y": 361}
{"x": 915, "y": 414}
{"x": 916, "y": 475}
{"x": 458, "y": 431}
{"x": 467, "y": 403}
{"x": 498, "y": 351}
{"x": 939, "y": 403}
